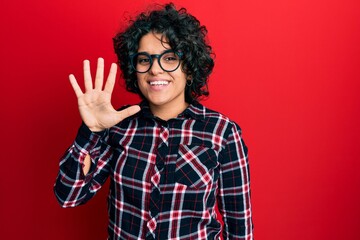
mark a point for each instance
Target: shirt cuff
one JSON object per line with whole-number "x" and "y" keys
{"x": 86, "y": 138}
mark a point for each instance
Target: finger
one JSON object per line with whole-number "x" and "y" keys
{"x": 87, "y": 76}
{"x": 127, "y": 112}
{"x": 75, "y": 85}
{"x": 99, "y": 79}
{"x": 110, "y": 82}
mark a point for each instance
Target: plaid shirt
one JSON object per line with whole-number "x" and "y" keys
{"x": 166, "y": 176}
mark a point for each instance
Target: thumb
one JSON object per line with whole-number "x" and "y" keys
{"x": 129, "y": 111}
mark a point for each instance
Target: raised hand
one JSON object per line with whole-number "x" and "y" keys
{"x": 95, "y": 106}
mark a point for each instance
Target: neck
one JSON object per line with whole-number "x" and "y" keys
{"x": 167, "y": 112}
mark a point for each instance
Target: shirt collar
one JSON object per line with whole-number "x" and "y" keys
{"x": 195, "y": 111}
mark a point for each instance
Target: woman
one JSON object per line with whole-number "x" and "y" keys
{"x": 170, "y": 159}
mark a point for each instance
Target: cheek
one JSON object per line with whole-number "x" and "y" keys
{"x": 140, "y": 79}
{"x": 138, "y": 76}
{"x": 140, "y": 82}
{"x": 182, "y": 79}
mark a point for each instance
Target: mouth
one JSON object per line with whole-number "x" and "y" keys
{"x": 159, "y": 83}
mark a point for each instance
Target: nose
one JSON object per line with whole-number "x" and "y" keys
{"x": 155, "y": 68}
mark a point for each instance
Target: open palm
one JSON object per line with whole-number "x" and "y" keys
{"x": 94, "y": 104}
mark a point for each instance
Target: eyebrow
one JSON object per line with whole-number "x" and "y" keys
{"x": 157, "y": 53}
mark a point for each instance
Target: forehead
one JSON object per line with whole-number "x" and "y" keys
{"x": 153, "y": 43}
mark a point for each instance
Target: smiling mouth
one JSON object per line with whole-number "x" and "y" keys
{"x": 158, "y": 83}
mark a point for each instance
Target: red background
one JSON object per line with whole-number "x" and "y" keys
{"x": 286, "y": 71}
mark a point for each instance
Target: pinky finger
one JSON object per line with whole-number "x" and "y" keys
{"x": 75, "y": 85}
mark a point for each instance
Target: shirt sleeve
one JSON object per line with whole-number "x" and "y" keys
{"x": 72, "y": 187}
{"x": 234, "y": 188}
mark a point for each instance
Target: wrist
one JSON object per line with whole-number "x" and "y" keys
{"x": 96, "y": 130}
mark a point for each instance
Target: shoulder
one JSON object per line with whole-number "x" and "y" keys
{"x": 213, "y": 115}
{"x": 216, "y": 119}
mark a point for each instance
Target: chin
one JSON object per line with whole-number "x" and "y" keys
{"x": 157, "y": 99}
{"x": 157, "y": 102}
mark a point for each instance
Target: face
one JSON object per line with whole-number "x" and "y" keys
{"x": 162, "y": 89}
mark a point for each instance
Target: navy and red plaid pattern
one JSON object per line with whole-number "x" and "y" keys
{"x": 166, "y": 176}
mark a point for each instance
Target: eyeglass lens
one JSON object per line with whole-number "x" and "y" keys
{"x": 169, "y": 61}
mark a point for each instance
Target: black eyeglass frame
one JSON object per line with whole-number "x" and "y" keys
{"x": 158, "y": 56}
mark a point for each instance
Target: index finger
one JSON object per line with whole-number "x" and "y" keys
{"x": 110, "y": 82}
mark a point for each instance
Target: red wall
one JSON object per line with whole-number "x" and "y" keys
{"x": 286, "y": 71}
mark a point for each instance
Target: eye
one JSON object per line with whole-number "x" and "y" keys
{"x": 143, "y": 60}
{"x": 170, "y": 57}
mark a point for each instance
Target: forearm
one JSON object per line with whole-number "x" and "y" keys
{"x": 235, "y": 207}
{"x": 237, "y": 222}
{"x": 76, "y": 181}
{"x": 234, "y": 188}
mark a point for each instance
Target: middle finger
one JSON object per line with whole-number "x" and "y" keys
{"x": 99, "y": 79}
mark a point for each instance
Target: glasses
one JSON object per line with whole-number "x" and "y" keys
{"x": 169, "y": 61}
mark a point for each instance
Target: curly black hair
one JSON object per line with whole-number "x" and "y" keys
{"x": 183, "y": 32}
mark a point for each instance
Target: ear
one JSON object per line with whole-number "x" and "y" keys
{"x": 189, "y": 80}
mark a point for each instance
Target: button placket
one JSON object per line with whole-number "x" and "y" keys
{"x": 162, "y": 145}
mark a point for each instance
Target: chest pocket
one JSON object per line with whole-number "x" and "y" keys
{"x": 195, "y": 166}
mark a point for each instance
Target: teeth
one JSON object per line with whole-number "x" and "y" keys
{"x": 159, "y": 83}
